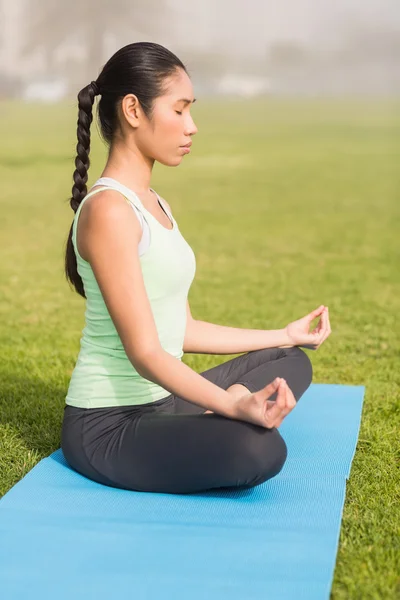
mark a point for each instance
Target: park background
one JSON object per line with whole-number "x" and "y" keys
{"x": 289, "y": 198}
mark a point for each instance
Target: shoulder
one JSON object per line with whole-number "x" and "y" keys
{"x": 106, "y": 206}
{"x": 102, "y": 215}
{"x": 105, "y": 197}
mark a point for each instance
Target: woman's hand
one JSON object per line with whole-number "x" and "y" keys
{"x": 298, "y": 331}
{"x": 256, "y": 408}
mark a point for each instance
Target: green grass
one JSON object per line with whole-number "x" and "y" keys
{"x": 298, "y": 203}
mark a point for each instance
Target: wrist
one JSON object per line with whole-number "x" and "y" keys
{"x": 227, "y": 406}
{"x": 285, "y": 342}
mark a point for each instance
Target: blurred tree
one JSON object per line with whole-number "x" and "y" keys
{"x": 362, "y": 44}
{"x": 287, "y": 54}
{"x": 207, "y": 65}
{"x": 53, "y": 23}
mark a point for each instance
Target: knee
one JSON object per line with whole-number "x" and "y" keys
{"x": 305, "y": 366}
{"x": 274, "y": 455}
{"x": 266, "y": 453}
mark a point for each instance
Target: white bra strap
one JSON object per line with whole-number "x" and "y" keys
{"x": 110, "y": 182}
{"x": 163, "y": 205}
{"x": 121, "y": 187}
{"x": 95, "y": 191}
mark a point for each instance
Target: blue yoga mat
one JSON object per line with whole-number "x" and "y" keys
{"x": 64, "y": 536}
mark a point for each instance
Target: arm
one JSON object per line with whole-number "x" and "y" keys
{"x": 110, "y": 235}
{"x": 180, "y": 379}
{"x": 202, "y": 337}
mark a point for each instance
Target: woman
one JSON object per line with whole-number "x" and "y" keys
{"x": 136, "y": 417}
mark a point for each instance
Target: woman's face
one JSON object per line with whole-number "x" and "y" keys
{"x": 172, "y": 125}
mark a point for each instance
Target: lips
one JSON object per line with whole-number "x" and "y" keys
{"x": 187, "y": 145}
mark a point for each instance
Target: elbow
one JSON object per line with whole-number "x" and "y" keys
{"x": 145, "y": 361}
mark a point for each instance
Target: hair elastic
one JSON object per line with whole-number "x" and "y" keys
{"x": 95, "y": 87}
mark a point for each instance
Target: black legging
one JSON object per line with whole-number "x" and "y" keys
{"x": 171, "y": 446}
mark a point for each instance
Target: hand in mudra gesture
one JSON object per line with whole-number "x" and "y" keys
{"x": 256, "y": 408}
{"x": 298, "y": 331}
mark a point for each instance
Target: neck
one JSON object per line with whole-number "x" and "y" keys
{"x": 129, "y": 166}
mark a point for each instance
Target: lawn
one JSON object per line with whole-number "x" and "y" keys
{"x": 287, "y": 204}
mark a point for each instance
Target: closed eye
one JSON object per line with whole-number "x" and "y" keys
{"x": 177, "y": 111}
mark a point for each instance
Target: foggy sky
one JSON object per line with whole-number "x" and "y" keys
{"x": 246, "y": 25}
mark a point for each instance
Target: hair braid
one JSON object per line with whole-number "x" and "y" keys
{"x": 82, "y": 163}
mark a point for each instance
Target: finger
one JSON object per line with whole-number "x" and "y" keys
{"x": 320, "y": 336}
{"x": 325, "y": 330}
{"x": 274, "y": 409}
{"x": 269, "y": 389}
{"x": 324, "y": 325}
{"x": 318, "y": 328}
{"x": 288, "y": 406}
{"x": 278, "y": 420}
{"x": 315, "y": 312}
{"x": 329, "y": 321}
{"x": 289, "y": 400}
{"x": 274, "y": 413}
{"x": 315, "y": 338}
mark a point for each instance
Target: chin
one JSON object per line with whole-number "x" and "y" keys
{"x": 172, "y": 162}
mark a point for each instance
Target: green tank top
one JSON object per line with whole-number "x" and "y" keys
{"x": 103, "y": 375}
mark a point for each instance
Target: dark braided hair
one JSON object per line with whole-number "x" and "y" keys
{"x": 139, "y": 69}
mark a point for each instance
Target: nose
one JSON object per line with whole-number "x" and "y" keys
{"x": 191, "y": 129}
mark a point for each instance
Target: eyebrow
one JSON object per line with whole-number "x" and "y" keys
{"x": 186, "y": 100}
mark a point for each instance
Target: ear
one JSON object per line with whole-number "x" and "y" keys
{"x": 131, "y": 109}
